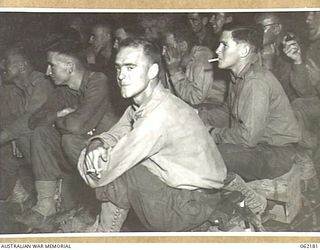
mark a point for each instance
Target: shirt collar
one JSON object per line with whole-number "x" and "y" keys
{"x": 245, "y": 70}
{"x": 157, "y": 96}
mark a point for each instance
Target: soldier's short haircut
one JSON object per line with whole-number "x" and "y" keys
{"x": 253, "y": 35}
{"x": 151, "y": 50}
{"x": 68, "y": 47}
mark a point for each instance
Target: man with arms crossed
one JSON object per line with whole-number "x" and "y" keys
{"x": 158, "y": 159}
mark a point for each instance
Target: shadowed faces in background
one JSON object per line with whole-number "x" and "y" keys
{"x": 271, "y": 25}
{"x": 197, "y": 22}
{"x": 119, "y": 35}
{"x": 218, "y": 20}
{"x": 14, "y": 64}
{"x": 100, "y": 38}
{"x": 313, "y": 25}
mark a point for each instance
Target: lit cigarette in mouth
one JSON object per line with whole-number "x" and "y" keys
{"x": 213, "y": 60}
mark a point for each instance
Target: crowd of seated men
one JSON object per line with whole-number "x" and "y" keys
{"x": 156, "y": 113}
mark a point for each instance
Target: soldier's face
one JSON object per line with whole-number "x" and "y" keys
{"x": 132, "y": 71}
{"x": 313, "y": 24}
{"x": 57, "y": 68}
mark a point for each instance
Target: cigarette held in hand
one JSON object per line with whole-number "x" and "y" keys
{"x": 213, "y": 60}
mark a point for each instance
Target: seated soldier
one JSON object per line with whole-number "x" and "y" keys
{"x": 35, "y": 90}
{"x": 159, "y": 158}
{"x": 199, "y": 25}
{"x": 191, "y": 74}
{"x": 63, "y": 124}
{"x": 11, "y": 107}
{"x": 272, "y": 55}
{"x": 259, "y": 142}
{"x": 306, "y": 79}
{"x": 215, "y": 111}
{"x": 221, "y": 76}
{"x": 99, "y": 53}
{"x": 100, "y": 59}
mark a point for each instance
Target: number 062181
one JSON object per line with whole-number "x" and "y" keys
{"x": 309, "y": 245}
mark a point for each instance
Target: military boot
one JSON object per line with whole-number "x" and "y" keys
{"x": 111, "y": 218}
{"x": 257, "y": 203}
{"x": 45, "y": 206}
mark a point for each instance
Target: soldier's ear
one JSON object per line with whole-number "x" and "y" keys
{"x": 244, "y": 49}
{"x": 153, "y": 71}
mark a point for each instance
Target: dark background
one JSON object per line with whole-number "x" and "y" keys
{"x": 36, "y": 30}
